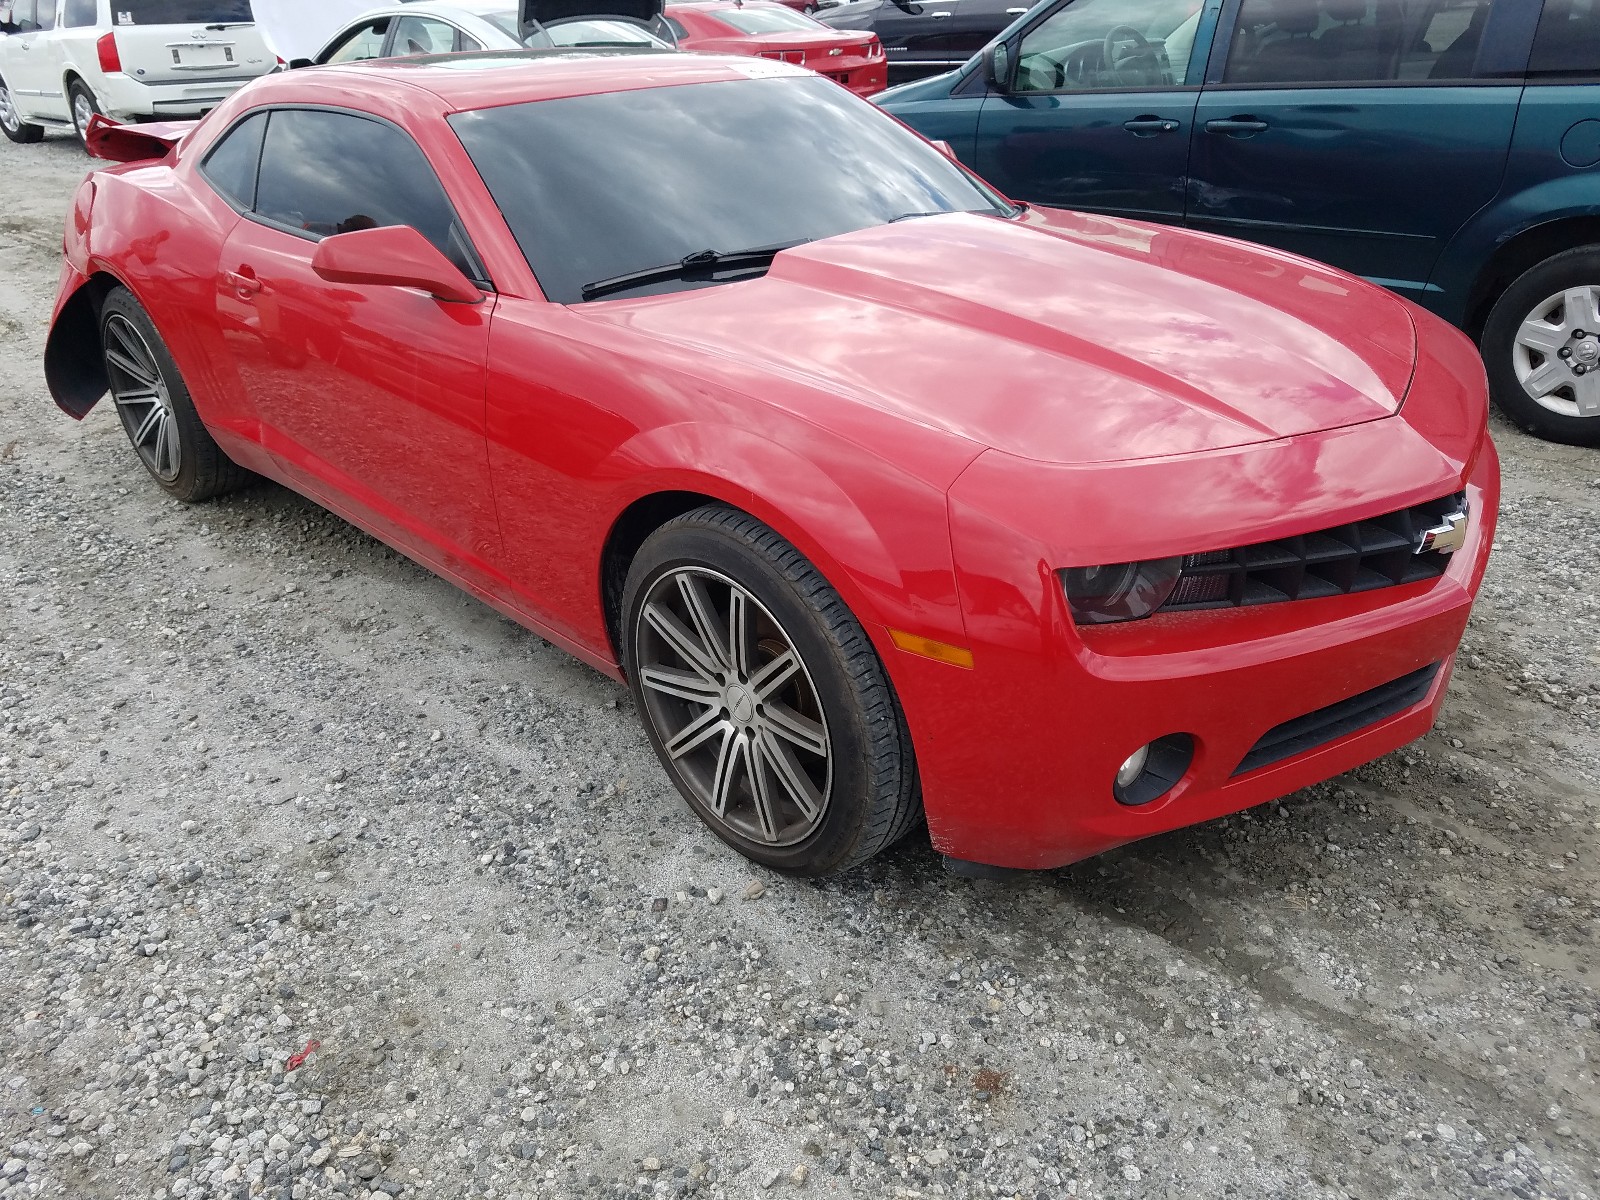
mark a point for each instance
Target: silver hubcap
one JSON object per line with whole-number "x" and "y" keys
{"x": 1558, "y": 350}
{"x": 82, "y": 110}
{"x": 734, "y": 706}
{"x": 8, "y": 111}
{"x": 142, "y": 399}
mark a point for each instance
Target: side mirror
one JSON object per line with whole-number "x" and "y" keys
{"x": 997, "y": 67}
{"x": 944, "y": 148}
{"x": 296, "y": 63}
{"x": 392, "y": 256}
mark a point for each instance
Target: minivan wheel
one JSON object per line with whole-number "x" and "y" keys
{"x": 11, "y": 122}
{"x": 84, "y": 106}
{"x": 1541, "y": 348}
{"x": 763, "y": 697}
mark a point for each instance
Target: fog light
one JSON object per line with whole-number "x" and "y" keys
{"x": 1153, "y": 770}
{"x": 1133, "y": 767}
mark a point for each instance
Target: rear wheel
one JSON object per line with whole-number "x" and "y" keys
{"x": 1541, "y": 348}
{"x": 84, "y": 106}
{"x": 763, "y": 697}
{"x": 155, "y": 408}
{"x": 11, "y": 122}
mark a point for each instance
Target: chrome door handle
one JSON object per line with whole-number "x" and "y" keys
{"x": 938, "y": 15}
{"x": 1015, "y": 12}
{"x": 1237, "y": 126}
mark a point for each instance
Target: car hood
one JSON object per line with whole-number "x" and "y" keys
{"x": 1057, "y": 337}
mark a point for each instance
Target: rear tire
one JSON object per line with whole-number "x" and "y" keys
{"x": 11, "y": 122}
{"x": 156, "y": 411}
{"x": 1552, "y": 396}
{"x": 787, "y": 741}
{"x": 84, "y": 106}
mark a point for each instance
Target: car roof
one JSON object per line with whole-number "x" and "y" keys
{"x": 492, "y": 78}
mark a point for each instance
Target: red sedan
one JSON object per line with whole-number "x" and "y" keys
{"x": 773, "y": 31}
{"x": 885, "y": 496}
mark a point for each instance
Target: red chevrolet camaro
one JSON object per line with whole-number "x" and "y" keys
{"x": 886, "y": 496}
{"x": 851, "y": 57}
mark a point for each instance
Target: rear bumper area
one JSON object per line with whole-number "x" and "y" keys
{"x": 1019, "y": 754}
{"x": 126, "y": 99}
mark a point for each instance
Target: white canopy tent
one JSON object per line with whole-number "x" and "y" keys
{"x": 299, "y": 28}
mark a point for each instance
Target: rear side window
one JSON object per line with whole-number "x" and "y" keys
{"x": 78, "y": 14}
{"x": 1294, "y": 42}
{"x": 1568, "y": 40}
{"x": 181, "y": 12}
{"x": 423, "y": 35}
{"x": 231, "y": 165}
{"x": 44, "y": 14}
{"x": 326, "y": 172}
{"x": 359, "y": 44}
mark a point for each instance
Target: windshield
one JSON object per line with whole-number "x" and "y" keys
{"x": 765, "y": 20}
{"x": 599, "y": 186}
{"x": 578, "y": 33}
{"x": 181, "y": 12}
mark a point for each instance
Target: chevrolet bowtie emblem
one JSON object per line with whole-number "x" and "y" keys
{"x": 1448, "y": 536}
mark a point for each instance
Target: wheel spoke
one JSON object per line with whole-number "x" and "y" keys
{"x": 1586, "y": 390}
{"x": 766, "y": 810}
{"x": 135, "y": 351}
{"x": 790, "y": 725}
{"x": 732, "y": 757}
{"x": 765, "y": 682}
{"x": 168, "y": 448}
{"x": 682, "y": 642}
{"x": 1540, "y": 335}
{"x": 685, "y": 685}
{"x": 699, "y": 731}
{"x": 795, "y": 783}
{"x": 131, "y": 368}
{"x": 153, "y": 422}
{"x": 1581, "y": 311}
{"x": 1548, "y": 376}
{"x": 698, "y": 605}
{"x": 741, "y": 640}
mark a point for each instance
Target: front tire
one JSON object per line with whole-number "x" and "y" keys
{"x": 1541, "y": 348}
{"x": 157, "y": 413}
{"x": 764, "y": 699}
{"x": 84, "y": 106}
{"x": 11, "y": 122}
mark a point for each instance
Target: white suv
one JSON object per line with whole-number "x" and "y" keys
{"x": 62, "y": 61}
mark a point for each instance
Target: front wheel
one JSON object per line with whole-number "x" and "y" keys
{"x": 763, "y": 697}
{"x": 84, "y": 106}
{"x": 1541, "y": 348}
{"x": 11, "y": 122}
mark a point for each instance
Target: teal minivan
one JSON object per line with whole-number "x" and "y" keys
{"x": 1447, "y": 149}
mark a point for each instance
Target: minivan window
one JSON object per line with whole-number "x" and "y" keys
{"x": 78, "y": 14}
{"x": 1568, "y": 40}
{"x": 1355, "y": 41}
{"x": 326, "y": 172}
{"x": 181, "y": 12}
{"x": 1099, "y": 45}
{"x": 230, "y": 167}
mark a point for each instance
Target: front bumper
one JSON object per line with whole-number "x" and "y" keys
{"x": 126, "y": 99}
{"x": 1018, "y": 754}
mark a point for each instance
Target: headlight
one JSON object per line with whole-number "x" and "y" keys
{"x": 1121, "y": 591}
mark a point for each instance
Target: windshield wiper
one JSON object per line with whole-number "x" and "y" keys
{"x": 912, "y": 216}
{"x": 701, "y": 262}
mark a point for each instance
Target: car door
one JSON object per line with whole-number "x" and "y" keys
{"x": 1096, "y": 111}
{"x": 370, "y": 397}
{"x": 1360, "y": 132}
{"x": 28, "y": 59}
{"x": 72, "y": 43}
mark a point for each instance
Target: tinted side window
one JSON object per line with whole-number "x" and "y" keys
{"x": 359, "y": 45}
{"x": 423, "y": 35}
{"x": 326, "y": 172}
{"x": 1355, "y": 41}
{"x": 44, "y": 14}
{"x": 78, "y": 14}
{"x": 1092, "y": 45}
{"x": 230, "y": 167}
{"x": 1568, "y": 40}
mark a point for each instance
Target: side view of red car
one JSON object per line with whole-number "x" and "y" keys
{"x": 770, "y": 30}
{"x": 885, "y": 496}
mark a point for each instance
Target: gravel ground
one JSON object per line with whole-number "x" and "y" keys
{"x": 263, "y": 783}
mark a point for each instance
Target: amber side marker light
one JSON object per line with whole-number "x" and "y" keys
{"x": 943, "y": 652}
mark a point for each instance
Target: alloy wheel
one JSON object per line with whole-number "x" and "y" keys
{"x": 82, "y": 110}
{"x": 142, "y": 399}
{"x": 8, "y": 111}
{"x": 737, "y": 713}
{"x": 1556, "y": 355}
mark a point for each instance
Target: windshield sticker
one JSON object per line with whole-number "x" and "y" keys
{"x": 124, "y": 18}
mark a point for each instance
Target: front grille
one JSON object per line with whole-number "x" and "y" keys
{"x": 1323, "y": 726}
{"x": 1358, "y": 557}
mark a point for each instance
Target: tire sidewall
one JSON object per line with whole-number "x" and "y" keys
{"x": 187, "y": 422}
{"x": 834, "y": 841}
{"x": 1569, "y": 269}
{"x": 79, "y": 88}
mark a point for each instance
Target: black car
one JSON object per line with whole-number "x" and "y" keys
{"x": 923, "y": 37}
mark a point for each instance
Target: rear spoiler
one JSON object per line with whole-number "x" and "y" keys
{"x": 105, "y": 138}
{"x": 535, "y": 13}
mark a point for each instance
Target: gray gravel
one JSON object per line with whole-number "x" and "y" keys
{"x": 263, "y": 782}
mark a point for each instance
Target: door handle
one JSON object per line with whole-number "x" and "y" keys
{"x": 1237, "y": 126}
{"x": 1015, "y": 12}
{"x": 1148, "y": 126}
{"x": 938, "y": 15}
{"x": 243, "y": 282}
